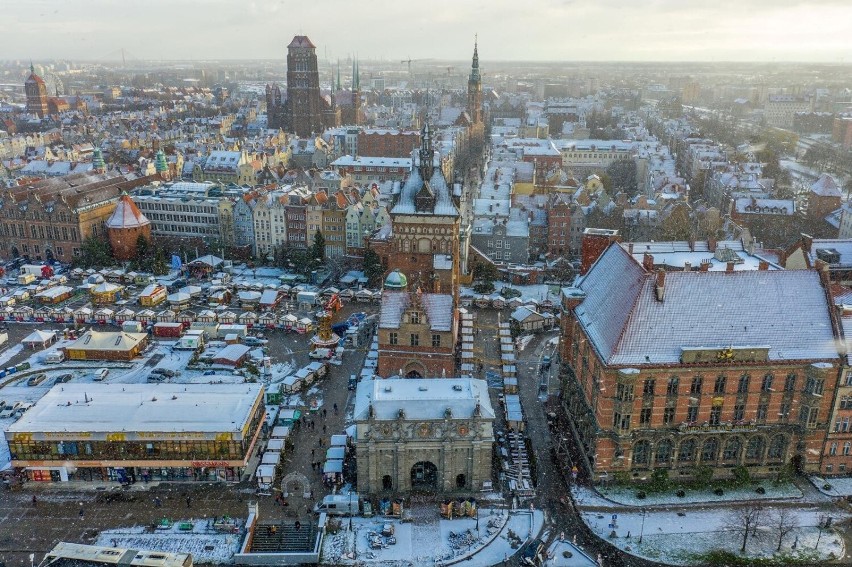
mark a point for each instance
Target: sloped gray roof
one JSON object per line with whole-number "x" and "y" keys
{"x": 786, "y": 310}
{"x": 437, "y": 306}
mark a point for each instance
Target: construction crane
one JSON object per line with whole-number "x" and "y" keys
{"x": 410, "y": 61}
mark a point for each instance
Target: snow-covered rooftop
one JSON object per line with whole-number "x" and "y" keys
{"x": 786, "y": 310}
{"x": 140, "y": 408}
{"x": 426, "y": 398}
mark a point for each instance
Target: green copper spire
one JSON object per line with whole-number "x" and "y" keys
{"x": 160, "y": 164}
{"x": 338, "y": 76}
{"x": 98, "y": 160}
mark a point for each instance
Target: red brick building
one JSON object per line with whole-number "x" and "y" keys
{"x": 595, "y": 242}
{"x": 559, "y": 215}
{"x": 387, "y": 142}
{"x": 417, "y": 334}
{"x": 699, "y": 369}
{"x": 824, "y": 197}
{"x": 125, "y": 226}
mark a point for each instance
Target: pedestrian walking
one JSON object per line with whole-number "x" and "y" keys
{"x": 335, "y": 409}
{"x": 35, "y": 500}
{"x": 157, "y": 502}
{"x": 323, "y": 428}
{"x": 312, "y": 424}
{"x": 324, "y": 412}
{"x": 188, "y": 502}
{"x": 81, "y": 513}
{"x": 312, "y": 451}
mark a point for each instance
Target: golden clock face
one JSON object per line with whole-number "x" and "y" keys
{"x": 463, "y": 430}
{"x": 424, "y": 430}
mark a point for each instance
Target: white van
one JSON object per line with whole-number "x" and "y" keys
{"x": 101, "y": 374}
{"x": 321, "y": 353}
{"x": 338, "y": 505}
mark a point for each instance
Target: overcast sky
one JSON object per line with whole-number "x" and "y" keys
{"x": 570, "y": 30}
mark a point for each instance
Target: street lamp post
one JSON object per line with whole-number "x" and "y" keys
{"x": 642, "y": 527}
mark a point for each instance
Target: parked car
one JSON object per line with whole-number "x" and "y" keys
{"x": 63, "y": 379}
{"x": 101, "y": 374}
{"x": 37, "y": 379}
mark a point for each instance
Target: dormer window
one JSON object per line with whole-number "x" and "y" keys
{"x": 414, "y": 317}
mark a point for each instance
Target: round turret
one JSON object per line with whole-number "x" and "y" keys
{"x": 124, "y": 227}
{"x": 396, "y": 281}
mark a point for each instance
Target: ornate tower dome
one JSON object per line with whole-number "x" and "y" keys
{"x": 98, "y": 163}
{"x": 160, "y": 165}
{"x": 396, "y": 281}
{"x": 125, "y": 226}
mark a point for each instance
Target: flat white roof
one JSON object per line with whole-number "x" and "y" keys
{"x": 140, "y": 411}
{"x": 426, "y": 398}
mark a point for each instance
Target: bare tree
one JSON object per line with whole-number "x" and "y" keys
{"x": 783, "y": 521}
{"x": 744, "y": 520}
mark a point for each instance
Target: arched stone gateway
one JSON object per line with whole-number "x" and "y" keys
{"x": 295, "y": 482}
{"x": 424, "y": 476}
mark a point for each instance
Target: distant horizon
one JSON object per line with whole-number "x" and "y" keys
{"x": 653, "y": 31}
{"x": 432, "y": 60}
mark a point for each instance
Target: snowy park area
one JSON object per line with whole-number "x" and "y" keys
{"x": 628, "y": 495}
{"x": 204, "y": 543}
{"x": 681, "y": 537}
{"x": 836, "y": 487}
{"x": 433, "y": 541}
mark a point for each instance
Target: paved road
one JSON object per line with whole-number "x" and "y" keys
{"x": 552, "y": 477}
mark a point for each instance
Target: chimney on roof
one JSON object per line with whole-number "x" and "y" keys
{"x": 705, "y": 265}
{"x": 661, "y": 284}
{"x": 711, "y": 244}
{"x": 763, "y": 265}
{"x": 692, "y": 245}
{"x": 687, "y": 267}
{"x": 630, "y": 248}
{"x": 648, "y": 262}
{"x": 729, "y": 268}
{"x": 807, "y": 242}
{"x": 821, "y": 266}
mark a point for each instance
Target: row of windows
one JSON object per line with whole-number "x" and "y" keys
{"x": 755, "y": 449}
{"x": 105, "y": 449}
{"x": 414, "y": 339}
{"x": 624, "y": 392}
{"x": 43, "y": 232}
{"x": 809, "y": 417}
{"x": 847, "y": 448}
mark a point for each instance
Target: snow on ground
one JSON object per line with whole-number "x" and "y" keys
{"x": 205, "y": 544}
{"x": 674, "y": 538}
{"x": 426, "y": 541}
{"x": 10, "y": 353}
{"x": 627, "y": 495}
{"x": 838, "y": 486}
{"x": 564, "y": 554}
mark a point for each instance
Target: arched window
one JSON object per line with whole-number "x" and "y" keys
{"x": 732, "y": 449}
{"x": 641, "y": 453}
{"x": 755, "y": 448}
{"x": 664, "y": 452}
{"x": 777, "y": 448}
{"x": 461, "y": 481}
{"x": 709, "y": 450}
{"x": 687, "y": 451}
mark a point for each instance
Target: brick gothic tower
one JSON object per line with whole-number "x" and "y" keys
{"x": 304, "y": 104}
{"x": 474, "y": 88}
{"x": 36, "y": 92}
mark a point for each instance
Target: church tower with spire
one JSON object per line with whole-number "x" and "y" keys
{"x": 474, "y": 88}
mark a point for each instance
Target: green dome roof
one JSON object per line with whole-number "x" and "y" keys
{"x": 396, "y": 280}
